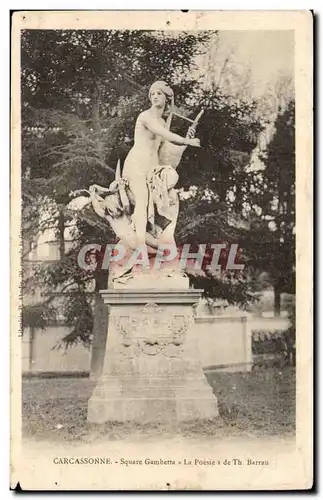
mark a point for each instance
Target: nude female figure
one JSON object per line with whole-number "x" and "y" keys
{"x": 150, "y": 130}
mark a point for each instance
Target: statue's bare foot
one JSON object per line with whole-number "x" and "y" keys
{"x": 123, "y": 279}
{"x": 171, "y": 272}
{"x": 123, "y": 273}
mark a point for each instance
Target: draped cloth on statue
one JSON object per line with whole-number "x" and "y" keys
{"x": 159, "y": 199}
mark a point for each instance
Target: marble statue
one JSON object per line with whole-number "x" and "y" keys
{"x": 142, "y": 205}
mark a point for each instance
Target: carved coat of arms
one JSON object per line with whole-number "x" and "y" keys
{"x": 151, "y": 331}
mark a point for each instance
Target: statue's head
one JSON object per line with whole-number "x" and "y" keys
{"x": 161, "y": 93}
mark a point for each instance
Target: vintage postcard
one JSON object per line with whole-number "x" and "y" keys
{"x": 161, "y": 250}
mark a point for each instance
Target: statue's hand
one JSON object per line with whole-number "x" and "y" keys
{"x": 98, "y": 190}
{"x": 194, "y": 142}
{"x": 95, "y": 189}
{"x": 191, "y": 132}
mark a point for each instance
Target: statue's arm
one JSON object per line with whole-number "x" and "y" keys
{"x": 99, "y": 190}
{"x": 154, "y": 126}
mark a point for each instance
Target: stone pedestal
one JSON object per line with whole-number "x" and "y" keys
{"x": 151, "y": 372}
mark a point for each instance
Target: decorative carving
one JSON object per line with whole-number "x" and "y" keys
{"x": 152, "y": 347}
{"x": 150, "y": 332}
{"x": 152, "y": 308}
{"x": 178, "y": 326}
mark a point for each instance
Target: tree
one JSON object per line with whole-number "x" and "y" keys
{"x": 273, "y": 245}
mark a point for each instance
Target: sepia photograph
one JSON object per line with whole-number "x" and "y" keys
{"x": 159, "y": 329}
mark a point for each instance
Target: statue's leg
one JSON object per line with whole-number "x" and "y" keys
{"x": 139, "y": 189}
{"x": 167, "y": 237}
{"x": 172, "y": 178}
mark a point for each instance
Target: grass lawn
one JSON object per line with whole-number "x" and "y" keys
{"x": 256, "y": 404}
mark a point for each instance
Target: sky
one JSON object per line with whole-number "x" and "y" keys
{"x": 268, "y": 55}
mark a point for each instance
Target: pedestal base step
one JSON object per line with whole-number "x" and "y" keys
{"x": 163, "y": 401}
{"x": 152, "y": 410}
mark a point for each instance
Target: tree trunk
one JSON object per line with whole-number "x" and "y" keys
{"x": 277, "y": 293}
{"x": 100, "y": 326}
{"x": 100, "y": 331}
{"x": 100, "y": 313}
